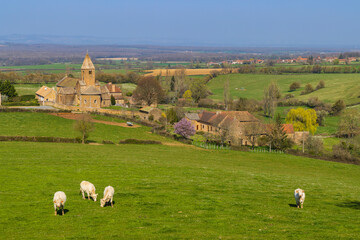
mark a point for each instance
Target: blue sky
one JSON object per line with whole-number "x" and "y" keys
{"x": 186, "y": 22}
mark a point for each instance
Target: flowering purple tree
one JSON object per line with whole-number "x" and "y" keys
{"x": 184, "y": 128}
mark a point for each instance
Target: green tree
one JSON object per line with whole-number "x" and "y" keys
{"x": 113, "y": 100}
{"x": 303, "y": 120}
{"x": 6, "y": 88}
{"x": 187, "y": 95}
{"x": 294, "y": 86}
{"x": 84, "y": 126}
{"x": 198, "y": 89}
{"x": 171, "y": 116}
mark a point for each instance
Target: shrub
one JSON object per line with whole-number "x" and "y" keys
{"x": 314, "y": 145}
{"x": 314, "y": 102}
{"x": 308, "y": 89}
{"x": 338, "y": 106}
{"x": 320, "y": 85}
{"x": 321, "y": 114}
{"x": 341, "y": 151}
{"x": 107, "y": 142}
{"x": 294, "y": 86}
{"x": 129, "y": 94}
{"x": 151, "y": 118}
{"x": 138, "y": 141}
{"x": 289, "y": 95}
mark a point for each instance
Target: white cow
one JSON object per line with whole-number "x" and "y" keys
{"x": 59, "y": 201}
{"x": 89, "y": 188}
{"x": 299, "y": 197}
{"x": 108, "y": 196}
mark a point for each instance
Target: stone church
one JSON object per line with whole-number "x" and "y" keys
{"x": 85, "y": 92}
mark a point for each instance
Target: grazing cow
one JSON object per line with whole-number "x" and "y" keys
{"x": 108, "y": 196}
{"x": 299, "y": 197}
{"x": 59, "y": 201}
{"x": 89, "y": 188}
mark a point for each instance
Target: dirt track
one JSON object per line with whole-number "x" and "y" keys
{"x": 78, "y": 116}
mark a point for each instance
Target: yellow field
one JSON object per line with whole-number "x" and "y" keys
{"x": 172, "y": 72}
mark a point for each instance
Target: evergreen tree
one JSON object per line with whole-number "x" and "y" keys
{"x": 172, "y": 84}
{"x": 277, "y": 136}
{"x": 113, "y": 102}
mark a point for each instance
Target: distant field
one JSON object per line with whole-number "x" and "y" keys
{"x": 171, "y": 72}
{"x": 337, "y": 86}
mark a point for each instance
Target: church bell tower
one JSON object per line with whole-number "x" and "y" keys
{"x": 88, "y": 71}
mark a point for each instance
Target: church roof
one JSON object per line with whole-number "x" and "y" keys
{"x": 87, "y": 64}
{"x": 67, "y": 90}
{"x": 91, "y": 90}
{"x": 67, "y": 82}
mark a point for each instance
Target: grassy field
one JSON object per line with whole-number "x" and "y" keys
{"x": 43, "y": 124}
{"x": 337, "y": 86}
{"x": 164, "y": 192}
{"x": 30, "y": 89}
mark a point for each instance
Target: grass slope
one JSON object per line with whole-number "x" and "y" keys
{"x": 42, "y": 124}
{"x": 164, "y": 192}
{"x": 337, "y": 86}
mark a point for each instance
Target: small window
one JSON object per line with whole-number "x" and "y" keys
{"x": 95, "y": 101}
{"x": 90, "y": 72}
{"x": 84, "y": 100}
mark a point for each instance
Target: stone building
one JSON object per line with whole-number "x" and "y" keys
{"x": 86, "y": 91}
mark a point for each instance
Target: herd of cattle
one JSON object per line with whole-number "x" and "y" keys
{"x": 88, "y": 188}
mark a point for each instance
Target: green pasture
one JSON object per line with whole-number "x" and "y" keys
{"x": 337, "y": 86}
{"x": 164, "y": 192}
{"x": 43, "y": 124}
{"x": 30, "y": 89}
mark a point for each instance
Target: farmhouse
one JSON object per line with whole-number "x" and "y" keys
{"x": 86, "y": 92}
{"x": 45, "y": 95}
{"x": 235, "y": 123}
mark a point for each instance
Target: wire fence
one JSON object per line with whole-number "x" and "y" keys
{"x": 263, "y": 150}
{"x": 210, "y": 146}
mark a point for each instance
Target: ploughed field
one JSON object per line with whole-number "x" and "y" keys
{"x": 166, "y": 192}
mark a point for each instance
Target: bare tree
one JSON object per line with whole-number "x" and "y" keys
{"x": 180, "y": 85}
{"x": 148, "y": 90}
{"x": 227, "y": 93}
{"x": 253, "y": 131}
{"x": 271, "y": 95}
{"x": 84, "y": 126}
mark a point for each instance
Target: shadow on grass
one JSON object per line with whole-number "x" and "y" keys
{"x": 350, "y": 204}
{"x": 292, "y": 205}
{"x": 109, "y": 204}
{"x": 59, "y": 212}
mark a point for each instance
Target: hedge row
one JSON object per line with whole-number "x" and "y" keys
{"x": 39, "y": 139}
{"x": 5, "y": 109}
{"x": 138, "y": 141}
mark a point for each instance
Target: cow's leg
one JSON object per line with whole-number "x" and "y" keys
{"x": 83, "y": 194}
{"x": 112, "y": 204}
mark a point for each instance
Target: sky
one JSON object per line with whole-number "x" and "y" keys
{"x": 189, "y": 22}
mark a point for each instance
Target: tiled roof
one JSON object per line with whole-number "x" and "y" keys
{"x": 146, "y": 109}
{"x": 91, "y": 90}
{"x": 215, "y": 119}
{"x": 44, "y": 91}
{"x": 192, "y": 116}
{"x": 67, "y": 90}
{"x": 87, "y": 64}
{"x": 67, "y": 82}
